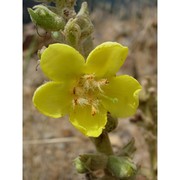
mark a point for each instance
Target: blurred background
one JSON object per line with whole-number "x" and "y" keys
{"x": 50, "y": 145}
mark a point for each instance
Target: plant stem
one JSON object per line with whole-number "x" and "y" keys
{"x": 102, "y": 144}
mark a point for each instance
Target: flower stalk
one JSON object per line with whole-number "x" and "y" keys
{"x": 102, "y": 144}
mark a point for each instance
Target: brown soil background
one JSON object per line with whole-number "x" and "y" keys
{"x": 50, "y": 145}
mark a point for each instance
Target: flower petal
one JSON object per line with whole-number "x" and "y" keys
{"x": 61, "y": 62}
{"x": 52, "y": 99}
{"x": 90, "y": 125}
{"x": 106, "y": 59}
{"x": 121, "y": 96}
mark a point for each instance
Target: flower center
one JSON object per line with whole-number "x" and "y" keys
{"x": 87, "y": 91}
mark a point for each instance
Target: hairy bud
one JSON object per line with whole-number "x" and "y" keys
{"x": 46, "y": 19}
{"x": 121, "y": 167}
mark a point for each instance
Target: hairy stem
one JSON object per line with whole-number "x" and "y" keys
{"x": 102, "y": 144}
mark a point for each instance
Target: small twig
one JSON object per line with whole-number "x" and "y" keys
{"x": 49, "y": 141}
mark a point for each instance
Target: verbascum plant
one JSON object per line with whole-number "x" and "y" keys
{"x": 83, "y": 85}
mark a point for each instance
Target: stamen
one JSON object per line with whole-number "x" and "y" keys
{"x": 93, "y": 111}
{"x": 100, "y": 83}
{"x": 83, "y": 101}
{"x": 80, "y": 101}
{"x": 86, "y": 91}
{"x": 89, "y": 76}
{"x": 74, "y": 103}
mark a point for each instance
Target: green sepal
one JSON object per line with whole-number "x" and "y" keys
{"x": 111, "y": 123}
{"x": 128, "y": 149}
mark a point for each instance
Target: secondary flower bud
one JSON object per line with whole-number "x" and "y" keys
{"x": 90, "y": 162}
{"x": 46, "y": 19}
{"x": 121, "y": 167}
{"x": 72, "y": 33}
{"x": 84, "y": 21}
{"x": 80, "y": 166}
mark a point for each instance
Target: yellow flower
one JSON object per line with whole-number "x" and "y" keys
{"x": 86, "y": 90}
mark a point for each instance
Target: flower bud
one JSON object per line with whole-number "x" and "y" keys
{"x": 72, "y": 33}
{"x": 90, "y": 162}
{"x": 46, "y": 19}
{"x": 80, "y": 166}
{"x": 84, "y": 21}
{"x": 121, "y": 167}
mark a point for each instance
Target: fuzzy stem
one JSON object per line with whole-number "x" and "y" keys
{"x": 102, "y": 144}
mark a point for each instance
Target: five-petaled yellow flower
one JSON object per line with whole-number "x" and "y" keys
{"x": 86, "y": 90}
